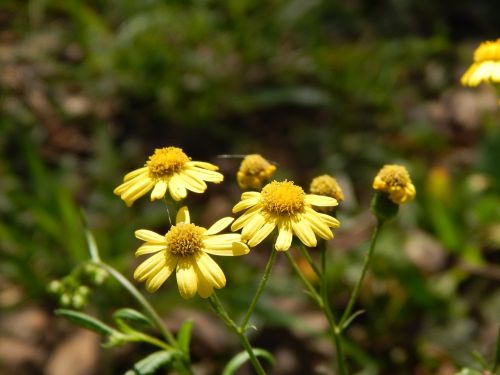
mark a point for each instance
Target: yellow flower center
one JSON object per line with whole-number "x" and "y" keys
{"x": 282, "y": 198}
{"x": 166, "y": 161}
{"x": 327, "y": 186}
{"x": 488, "y": 51}
{"x": 184, "y": 239}
{"x": 395, "y": 176}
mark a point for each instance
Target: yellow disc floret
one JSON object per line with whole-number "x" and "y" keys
{"x": 254, "y": 172}
{"x": 283, "y": 198}
{"x": 184, "y": 239}
{"x": 396, "y": 182}
{"x": 166, "y": 161}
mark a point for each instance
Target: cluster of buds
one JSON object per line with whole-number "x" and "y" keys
{"x": 72, "y": 291}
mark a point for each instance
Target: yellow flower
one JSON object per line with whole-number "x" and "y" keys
{"x": 486, "y": 66}
{"x": 395, "y": 181}
{"x": 328, "y": 186}
{"x": 254, "y": 172}
{"x": 286, "y": 206}
{"x": 185, "y": 248}
{"x": 169, "y": 168}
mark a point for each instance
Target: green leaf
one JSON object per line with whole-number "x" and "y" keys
{"x": 132, "y": 316}
{"x": 184, "y": 335}
{"x": 239, "y": 359}
{"x": 151, "y": 363}
{"x": 86, "y": 321}
{"x": 349, "y": 320}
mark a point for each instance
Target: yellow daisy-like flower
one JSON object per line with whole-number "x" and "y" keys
{"x": 185, "y": 249}
{"x": 254, "y": 172}
{"x": 395, "y": 181}
{"x": 169, "y": 168}
{"x": 284, "y": 205}
{"x": 486, "y": 66}
{"x": 328, "y": 186}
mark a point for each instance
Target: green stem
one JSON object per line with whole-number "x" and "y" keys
{"x": 142, "y": 301}
{"x": 357, "y": 288}
{"x": 309, "y": 259}
{"x": 240, "y": 332}
{"x": 260, "y": 289}
{"x": 310, "y": 288}
{"x": 336, "y": 332}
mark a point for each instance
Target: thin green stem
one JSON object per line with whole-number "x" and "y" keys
{"x": 336, "y": 332}
{"x": 142, "y": 301}
{"x": 260, "y": 289}
{"x": 357, "y": 287}
{"x": 309, "y": 259}
{"x": 240, "y": 332}
{"x": 310, "y": 288}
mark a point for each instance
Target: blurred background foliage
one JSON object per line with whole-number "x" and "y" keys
{"x": 89, "y": 88}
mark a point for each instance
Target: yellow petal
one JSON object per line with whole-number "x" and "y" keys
{"x": 211, "y": 270}
{"x": 246, "y": 203}
{"x": 203, "y": 164}
{"x": 153, "y": 283}
{"x": 135, "y": 173}
{"x": 205, "y": 289}
{"x": 194, "y": 184}
{"x": 318, "y": 225}
{"x": 149, "y": 235}
{"x": 303, "y": 230}
{"x": 252, "y": 226}
{"x": 219, "y": 226}
{"x": 137, "y": 191}
{"x": 243, "y": 219}
{"x": 284, "y": 240}
{"x": 205, "y": 174}
{"x": 159, "y": 190}
{"x": 149, "y": 267}
{"x": 329, "y": 220}
{"x": 183, "y": 216}
{"x": 261, "y": 234}
{"x": 321, "y": 200}
{"x": 232, "y": 247}
{"x": 187, "y": 281}
{"x": 176, "y": 188}
{"x": 149, "y": 248}
{"x": 250, "y": 195}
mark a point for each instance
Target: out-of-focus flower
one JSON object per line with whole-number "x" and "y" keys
{"x": 254, "y": 172}
{"x": 395, "y": 181}
{"x": 169, "y": 168}
{"x": 486, "y": 66}
{"x": 328, "y": 186}
{"x": 185, "y": 248}
{"x": 284, "y": 205}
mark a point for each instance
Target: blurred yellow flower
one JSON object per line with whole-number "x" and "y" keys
{"x": 284, "y": 205}
{"x": 254, "y": 172}
{"x": 395, "y": 181}
{"x": 328, "y": 186}
{"x": 486, "y": 66}
{"x": 169, "y": 168}
{"x": 185, "y": 249}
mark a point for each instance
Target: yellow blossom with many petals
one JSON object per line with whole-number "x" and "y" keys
{"x": 285, "y": 206}
{"x": 486, "y": 66}
{"x": 396, "y": 182}
{"x": 185, "y": 248}
{"x": 254, "y": 172}
{"x": 168, "y": 169}
{"x": 328, "y": 186}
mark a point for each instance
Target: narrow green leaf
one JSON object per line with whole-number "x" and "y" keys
{"x": 349, "y": 320}
{"x": 151, "y": 363}
{"x": 239, "y": 359}
{"x": 132, "y": 316}
{"x": 184, "y": 335}
{"x": 86, "y": 321}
